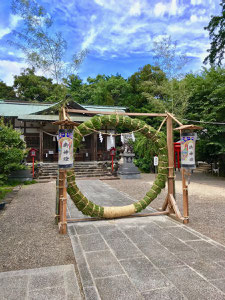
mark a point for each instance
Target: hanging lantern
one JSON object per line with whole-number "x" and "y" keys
{"x": 188, "y": 139}
{"x": 188, "y": 150}
{"x": 65, "y": 146}
{"x": 83, "y": 139}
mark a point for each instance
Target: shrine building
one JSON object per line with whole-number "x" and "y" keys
{"x": 34, "y": 121}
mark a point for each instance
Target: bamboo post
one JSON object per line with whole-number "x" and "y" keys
{"x": 169, "y": 127}
{"x": 62, "y": 188}
{"x": 63, "y": 202}
{"x": 185, "y": 198}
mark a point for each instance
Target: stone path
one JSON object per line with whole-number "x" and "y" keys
{"x": 130, "y": 258}
{"x": 143, "y": 258}
{"x": 49, "y": 283}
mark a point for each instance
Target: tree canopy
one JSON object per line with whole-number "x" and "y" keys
{"x": 216, "y": 29}
{"x": 44, "y": 49}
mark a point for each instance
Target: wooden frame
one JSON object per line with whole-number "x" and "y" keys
{"x": 169, "y": 206}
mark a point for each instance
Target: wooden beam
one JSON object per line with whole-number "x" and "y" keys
{"x": 185, "y": 197}
{"x": 90, "y": 112}
{"x": 175, "y": 119}
{"x": 157, "y": 213}
{"x": 169, "y": 126}
{"x": 94, "y": 146}
{"x": 161, "y": 125}
{"x": 175, "y": 207}
{"x": 41, "y": 143}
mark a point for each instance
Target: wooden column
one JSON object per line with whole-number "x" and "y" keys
{"x": 62, "y": 202}
{"x": 94, "y": 146}
{"x": 185, "y": 198}
{"x": 169, "y": 126}
{"x": 41, "y": 143}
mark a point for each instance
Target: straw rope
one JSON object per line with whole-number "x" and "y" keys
{"x": 135, "y": 125}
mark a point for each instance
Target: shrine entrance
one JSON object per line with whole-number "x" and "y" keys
{"x": 165, "y": 169}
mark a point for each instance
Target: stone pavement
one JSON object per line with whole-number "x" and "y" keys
{"x": 51, "y": 283}
{"x": 143, "y": 258}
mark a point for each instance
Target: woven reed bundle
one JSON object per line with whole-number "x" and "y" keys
{"x": 96, "y": 123}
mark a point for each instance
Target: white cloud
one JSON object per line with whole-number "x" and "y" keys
{"x": 173, "y": 8}
{"x": 196, "y": 2}
{"x": 91, "y": 35}
{"x": 159, "y": 9}
{"x": 10, "y": 68}
{"x": 135, "y": 9}
{"x": 13, "y": 22}
{"x": 196, "y": 18}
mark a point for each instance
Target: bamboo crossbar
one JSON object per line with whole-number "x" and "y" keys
{"x": 175, "y": 119}
{"x": 157, "y": 213}
{"x": 90, "y": 112}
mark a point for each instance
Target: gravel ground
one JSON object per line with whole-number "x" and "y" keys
{"x": 206, "y": 200}
{"x": 29, "y": 237}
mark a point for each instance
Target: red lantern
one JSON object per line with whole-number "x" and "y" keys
{"x": 33, "y": 154}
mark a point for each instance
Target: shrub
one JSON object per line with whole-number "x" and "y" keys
{"x": 12, "y": 151}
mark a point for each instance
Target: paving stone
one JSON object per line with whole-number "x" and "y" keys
{"x": 71, "y": 230}
{"x": 78, "y": 252}
{"x": 192, "y": 285}
{"x": 91, "y": 293}
{"x": 144, "y": 275}
{"x": 92, "y": 242}
{"x": 110, "y": 232}
{"x": 166, "y": 222}
{"x": 138, "y": 236}
{"x": 123, "y": 248}
{"x": 202, "y": 265}
{"x": 162, "y": 258}
{"x": 71, "y": 285}
{"x": 172, "y": 244}
{"x": 182, "y": 234}
{"x": 57, "y": 293}
{"x": 117, "y": 288}
{"x": 103, "y": 263}
{"x": 42, "y": 281}
{"x": 206, "y": 249}
{"x": 13, "y": 287}
{"x": 85, "y": 274}
{"x": 154, "y": 230}
{"x": 220, "y": 284}
{"x": 85, "y": 229}
{"x": 168, "y": 293}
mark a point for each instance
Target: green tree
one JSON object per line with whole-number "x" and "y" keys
{"x": 206, "y": 103}
{"x": 167, "y": 58}
{"x": 12, "y": 150}
{"x": 44, "y": 49}
{"x": 6, "y": 92}
{"x": 31, "y": 87}
{"x": 216, "y": 29}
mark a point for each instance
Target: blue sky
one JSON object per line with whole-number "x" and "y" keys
{"x": 118, "y": 33}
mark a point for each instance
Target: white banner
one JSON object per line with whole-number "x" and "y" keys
{"x": 65, "y": 144}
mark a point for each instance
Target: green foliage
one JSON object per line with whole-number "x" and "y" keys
{"x": 206, "y": 103}
{"x": 216, "y": 29}
{"x": 32, "y": 87}
{"x": 6, "y": 92}
{"x": 43, "y": 48}
{"x": 168, "y": 58}
{"x": 144, "y": 149}
{"x": 12, "y": 150}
